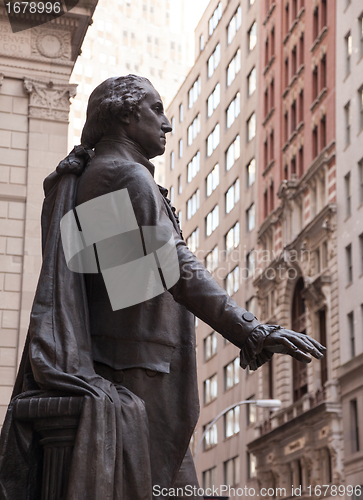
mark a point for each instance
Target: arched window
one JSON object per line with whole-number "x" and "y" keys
{"x": 298, "y": 319}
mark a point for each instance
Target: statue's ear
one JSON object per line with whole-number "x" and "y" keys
{"x": 125, "y": 118}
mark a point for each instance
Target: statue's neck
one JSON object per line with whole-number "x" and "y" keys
{"x": 125, "y": 148}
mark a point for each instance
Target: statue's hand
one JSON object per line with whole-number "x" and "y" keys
{"x": 297, "y": 345}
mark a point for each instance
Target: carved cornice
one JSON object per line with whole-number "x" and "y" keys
{"x": 1, "y": 78}
{"x": 48, "y": 100}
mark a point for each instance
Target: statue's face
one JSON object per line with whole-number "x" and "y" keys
{"x": 150, "y": 129}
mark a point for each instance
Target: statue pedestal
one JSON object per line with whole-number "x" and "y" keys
{"x": 56, "y": 421}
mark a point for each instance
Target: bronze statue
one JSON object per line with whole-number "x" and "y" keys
{"x": 134, "y": 365}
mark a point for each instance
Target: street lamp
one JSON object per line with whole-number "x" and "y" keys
{"x": 273, "y": 404}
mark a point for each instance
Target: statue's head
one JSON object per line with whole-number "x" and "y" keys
{"x": 118, "y": 101}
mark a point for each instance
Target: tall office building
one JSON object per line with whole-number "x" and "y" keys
{"x": 144, "y": 37}
{"x": 35, "y": 67}
{"x": 211, "y": 176}
{"x": 297, "y": 275}
{"x": 349, "y": 130}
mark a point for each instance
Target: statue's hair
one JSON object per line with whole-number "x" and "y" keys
{"x": 114, "y": 97}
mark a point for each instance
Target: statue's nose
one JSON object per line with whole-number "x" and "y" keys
{"x": 166, "y": 127}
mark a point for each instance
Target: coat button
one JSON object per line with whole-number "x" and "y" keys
{"x": 247, "y": 316}
{"x": 118, "y": 376}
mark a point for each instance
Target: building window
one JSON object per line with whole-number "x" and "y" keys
{"x": 232, "y": 472}
{"x": 360, "y": 100}
{"x": 348, "y": 253}
{"x": 251, "y": 414}
{"x": 323, "y": 132}
{"x": 180, "y": 148}
{"x": 193, "y": 167}
{"x": 213, "y": 100}
{"x": 251, "y": 127}
{"x": 348, "y": 196}
{"x": 232, "y": 238}
{"x": 210, "y": 389}
{"x": 172, "y": 160}
{"x": 171, "y": 194}
{"x": 194, "y": 92}
{"x": 212, "y": 220}
{"x": 231, "y": 422}
{"x": 209, "y": 478}
{"x": 316, "y": 22}
{"x": 172, "y": 123}
{"x": 180, "y": 188}
{"x": 298, "y": 316}
{"x": 210, "y": 346}
{"x": 351, "y": 332}
{"x": 354, "y": 425}
{"x": 193, "y": 204}
{"x": 232, "y": 282}
{"x": 193, "y": 240}
{"x": 233, "y": 153}
{"x": 250, "y": 218}
{"x": 360, "y": 24}
{"x": 180, "y": 113}
{"x": 234, "y": 25}
{"x": 347, "y": 123}
{"x": 360, "y": 185}
{"x": 348, "y": 52}
{"x": 213, "y": 140}
{"x": 232, "y": 196}
{"x": 251, "y": 82}
{"x": 212, "y": 180}
{"x": 251, "y": 172}
{"x": 233, "y": 67}
{"x": 211, "y": 436}
{"x": 201, "y": 43}
{"x": 250, "y": 263}
{"x": 251, "y": 465}
{"x": 231, "y": 374}
{"x": 215, "y": 18}
{"x": 211, "y": 260}
{"x": 322, "y": 340}
{"x": 193, "y": 129}
{"x": 252, "y": 37}
{"x": 233, "y": 110}
{"x": 214, "y": 60}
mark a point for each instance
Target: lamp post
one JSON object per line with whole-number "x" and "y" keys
{"x": 261, "y": 403}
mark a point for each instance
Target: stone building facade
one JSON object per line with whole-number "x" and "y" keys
{"x": 35, "y": 67}
{"x": 211, "y": 163}
{"x": 349, "y": 134}
{"x": 297, "y": 273}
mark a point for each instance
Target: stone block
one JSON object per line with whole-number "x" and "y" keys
{"x": 14, "y": 122}
{"x": 5, "y": 394}
{"x": 32, "y": 246}
{"x": 20, "y": 105}
{"x": 38, "y": 141}
{"x": 16, "y": 210}
{"x": 6, "y": 103}
{"x": 3, "y": 410}
{"x": 8, "y": 338}
{"x": 13, "y": 157}
{"x": 10, "y": 319}
{"x": 17, "y": 175}
{"x": 5, "y": 138}
{"x": 7, "y": 356}
{"x": 2, "y": 279}
{"x": 54, "y": 128}
{"x": 11, "y": 227}
{"x": 2, "y": 244}
{"x": 58, "y": 143}
{"x": 14, "y": 246}
{"x": 7, "y": 375}
{"x": 19, "y": 140}
{"x": 3, "y": 209}
{"x": 12, "y": 282}
{"x": 13, "y": 87}
{"x": 10, "y": 300}
{"x": 4, "y": 173}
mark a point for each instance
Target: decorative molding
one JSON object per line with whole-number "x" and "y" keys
{"x": 48, "y": 100}
{"x": 51, "y": 43}
{"x": 1, "y": 78}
